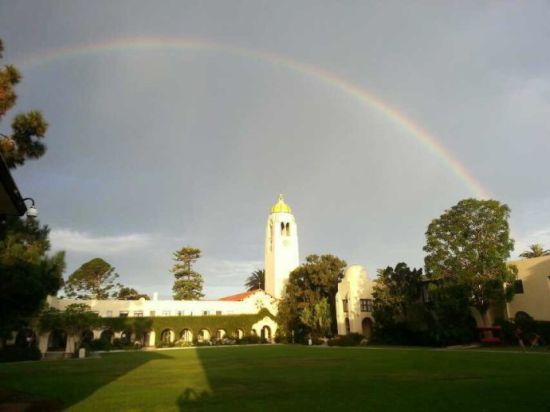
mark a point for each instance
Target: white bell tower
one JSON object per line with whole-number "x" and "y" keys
{"x": 281, "y": 248}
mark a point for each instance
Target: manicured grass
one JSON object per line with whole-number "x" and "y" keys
{"x": 260, "y": 378}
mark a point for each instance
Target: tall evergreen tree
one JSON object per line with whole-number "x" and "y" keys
{"x": 188, "y": 283}
{"x": 27, "y": 129}
{"x": 28, "y": 273}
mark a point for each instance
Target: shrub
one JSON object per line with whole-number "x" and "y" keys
{"x": 17, "y": 354}
{"x": 249, "y": 339}
{"x": 282, "y": 339}
{"x": 352, "y": 339}
{"x": 100, "y": 344}
{"x": 182, "y": 343}
{"x": 529, "y": 327}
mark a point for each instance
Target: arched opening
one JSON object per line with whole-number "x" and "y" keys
{"x": 166, "y": 337}
{"x": 288, "y": 229}
{"x": 203, "y": 336}
{"x": 266, "y": 333}
{"x": 348, "y": 328}
{"x": 366, "y": 328}
{"x": 57, "y": 341}
{"x": 220, "y": 334}
{"x": 25, "y": 338}
{"x": 106, "y": 336}
{"x": 282, "y": 229}
{"x": 239, "y": 333}
{"x": 253, "y": 332}
{"x": 86, "y": 337}
{"x": 126, "y": 337}
{"x": 186, "y": 335}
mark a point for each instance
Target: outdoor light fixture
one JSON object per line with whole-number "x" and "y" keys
{"x": 32, "y": 211}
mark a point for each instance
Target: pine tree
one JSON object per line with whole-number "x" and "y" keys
{"x": 95, "y": 279}
{"x": 29, "y": 272}
{"x": 188, "y": 283}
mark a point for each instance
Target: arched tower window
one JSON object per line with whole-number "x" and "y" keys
{"x": 288, "y": 229}
{"x": 282, "y": 229}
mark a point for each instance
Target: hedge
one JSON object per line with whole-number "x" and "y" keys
{"x": 229, "y": 323}
{"x": 16, "y": 354}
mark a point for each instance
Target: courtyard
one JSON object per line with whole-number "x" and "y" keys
{"x": 277, "y": 377}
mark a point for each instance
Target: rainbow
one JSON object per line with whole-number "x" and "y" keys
{"x": 360, "y": 94}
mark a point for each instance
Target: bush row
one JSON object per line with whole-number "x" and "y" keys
{"x": 17, "y": 354}
{"x": 352, "y": 339}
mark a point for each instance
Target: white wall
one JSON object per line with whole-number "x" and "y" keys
{"x": 355, "y": 286}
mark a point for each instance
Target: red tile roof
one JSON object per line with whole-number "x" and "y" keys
{"x": 239, "y": 296}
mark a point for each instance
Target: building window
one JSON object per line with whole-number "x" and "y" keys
{"x": 205, "y": 313}
{"x": 345, "y": 303}
{"x": 165, "y": 313}
{"x": 109, "y": 314}
{"x": 152, "y": 313}
{"x": 218, "y": 312}
{"x": 123, "y": 314}
{"x": 518, "y": 286}
{"x": 138, "y": 314}
{"x": 366, "y": 305}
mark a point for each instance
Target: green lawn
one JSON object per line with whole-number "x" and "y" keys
{"x": 260, "y": 378}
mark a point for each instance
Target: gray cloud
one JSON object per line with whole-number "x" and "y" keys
{"x": 149, "y": 150}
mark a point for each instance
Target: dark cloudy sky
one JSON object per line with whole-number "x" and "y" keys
{"x": 152, "y": 149}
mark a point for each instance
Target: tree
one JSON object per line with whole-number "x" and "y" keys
{"x": 28, "y": 273}
{"x": 318, "y": 317}
{"x": 188, "y": 283}
{"x": 309, "y": 284}
{"x": 27, "y": 129}
{"x": 127, "y": 293}
{"x": 95, "y": 279}
{"x": 400, "y": 313}
{"x": 467, "y": 248}
{"x": 256, "y": 280}
{"x": 535, "y": 250}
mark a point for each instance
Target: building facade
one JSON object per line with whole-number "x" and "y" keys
{"x": 354, "y": 302}
{"x": 532, "y": 289}
{"x": 281, "y": 257}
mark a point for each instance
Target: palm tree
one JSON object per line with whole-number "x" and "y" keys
{"x": 256, "y": 280}
{"x": 535, "y": 250}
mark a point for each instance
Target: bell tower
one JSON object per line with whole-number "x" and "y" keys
{"x": 281, "y": 247}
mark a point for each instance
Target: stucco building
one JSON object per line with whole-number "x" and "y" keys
{"x": 242, "y": 311}
{"x": 532, "y": 297}
{"x": 532, "y": 288}
{"x": 354, "y": 302}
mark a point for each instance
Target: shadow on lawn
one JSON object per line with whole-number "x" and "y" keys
{"x": 32, "y": 381}
{"x": 230, "y": 374}
{"x": 190, "y": 398}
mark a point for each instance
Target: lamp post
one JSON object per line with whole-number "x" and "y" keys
{"x": 32, "y": 212}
